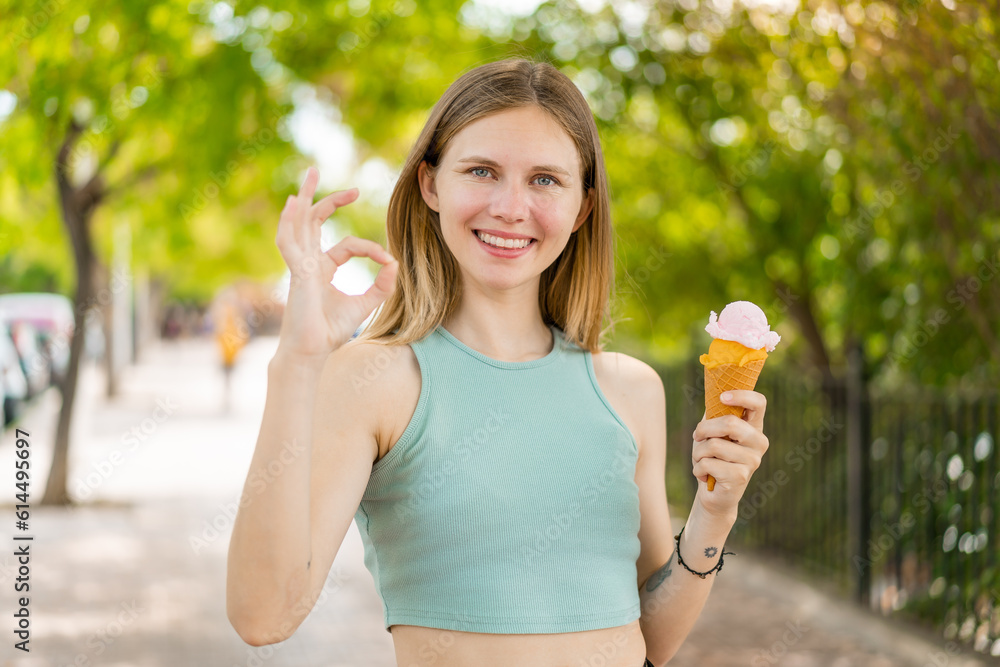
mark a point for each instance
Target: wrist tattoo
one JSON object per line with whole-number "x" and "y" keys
{"x": 657, "y": 577}
{"x": 710, "y": 551}
{"x": 680, "y": 559}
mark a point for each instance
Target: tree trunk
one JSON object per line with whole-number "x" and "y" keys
{"x": 56, "y": 492}
{"x": 107, "y": 306}
{"x": 77, "y": 205}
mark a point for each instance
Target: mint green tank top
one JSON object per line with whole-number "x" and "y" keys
{"x": 508, "y": 505}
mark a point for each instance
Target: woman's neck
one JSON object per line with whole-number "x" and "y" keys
{"x": 503, "y": 340}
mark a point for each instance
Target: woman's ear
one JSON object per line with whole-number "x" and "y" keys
{"x": 586, "y": 206}
{"x": 428, "y": 189}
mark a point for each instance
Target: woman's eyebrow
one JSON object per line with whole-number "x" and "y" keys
{"x": 493, "y": 163}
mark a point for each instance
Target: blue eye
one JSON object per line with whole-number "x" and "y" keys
{"x": 473, "y": 170}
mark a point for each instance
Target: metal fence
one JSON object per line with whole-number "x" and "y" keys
{"x": 890, "y": 499}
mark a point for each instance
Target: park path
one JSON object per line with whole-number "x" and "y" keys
{"x": 135, "y": 577}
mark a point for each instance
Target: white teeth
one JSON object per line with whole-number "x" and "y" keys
{"x": 502, "y": 243}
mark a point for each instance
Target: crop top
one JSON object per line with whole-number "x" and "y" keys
{"x": 509, "y": 504}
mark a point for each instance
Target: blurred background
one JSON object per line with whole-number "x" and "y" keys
{"x": 836, "y": 163}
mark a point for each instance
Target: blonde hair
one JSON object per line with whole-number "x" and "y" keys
{"x": 574, "y": 291}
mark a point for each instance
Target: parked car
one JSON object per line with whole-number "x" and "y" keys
{"x": 51, "y": 315}
{"x": 15, "y": 384}
{"x": 34, "y": 360}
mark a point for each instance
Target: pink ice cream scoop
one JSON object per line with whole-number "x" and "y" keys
{"x": 743, "y": 322}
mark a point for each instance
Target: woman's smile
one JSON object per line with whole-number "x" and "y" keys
{"x": 511, "y": 249}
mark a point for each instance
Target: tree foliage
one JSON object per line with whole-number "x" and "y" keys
{"x": 177, "y": 126}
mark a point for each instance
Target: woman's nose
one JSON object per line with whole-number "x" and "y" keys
{"x": 510, "y": 202}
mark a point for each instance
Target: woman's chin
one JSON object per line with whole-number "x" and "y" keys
{"x": 501, "y": 280}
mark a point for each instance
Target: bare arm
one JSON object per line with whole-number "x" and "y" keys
{"x": 270, "y": 549}
{"x": 671, "y": 598}
{"x": 316, "y": 444}
{"x": 311, "y": 467}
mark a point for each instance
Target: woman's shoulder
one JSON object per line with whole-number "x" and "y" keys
{"x": 620, "y": 368}
{"x": 388, "y": 375}
{"x": 377, "y": 367}
{"x": 632, "y": 387}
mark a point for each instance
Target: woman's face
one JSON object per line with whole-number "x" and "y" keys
{"x": 514, "y": 174}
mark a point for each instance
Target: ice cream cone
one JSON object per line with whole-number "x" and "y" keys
{"x": 741, "y": 339}
{"x": 723, "y": 378}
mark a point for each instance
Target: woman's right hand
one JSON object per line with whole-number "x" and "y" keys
{"x": 318, "y": 317}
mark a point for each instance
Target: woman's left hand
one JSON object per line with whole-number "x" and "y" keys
{"x": 730, "y": 450}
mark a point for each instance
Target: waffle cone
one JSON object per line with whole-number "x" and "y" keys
{"x": 723, "y": 378}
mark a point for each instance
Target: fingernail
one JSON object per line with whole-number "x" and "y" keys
{"x": 726, "y": 397}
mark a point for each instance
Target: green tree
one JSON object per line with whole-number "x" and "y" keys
{"x": 162, "y": 115}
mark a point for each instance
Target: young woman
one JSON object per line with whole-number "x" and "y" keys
{"x": 507, "y": 476}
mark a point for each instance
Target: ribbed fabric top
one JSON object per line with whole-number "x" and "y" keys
{"x": 508, "y": 505}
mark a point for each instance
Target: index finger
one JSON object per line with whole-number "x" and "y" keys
{"x": 325, "y": 207}
{"x": 308, "y": 188}
{"x": 754, "y": 402}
